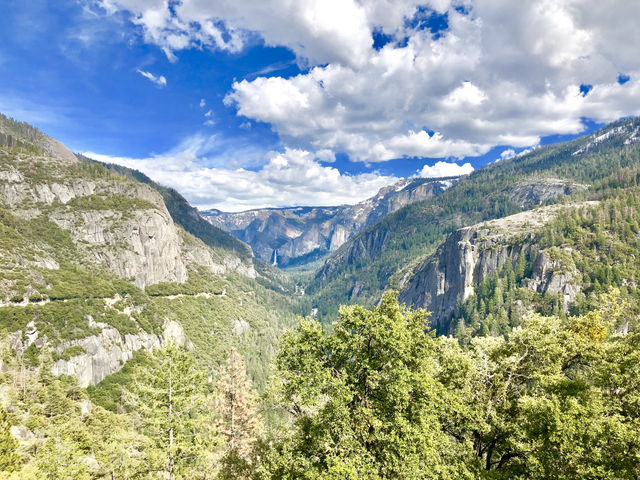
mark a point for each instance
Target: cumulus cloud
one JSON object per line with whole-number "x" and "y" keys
{"x": 501, "y": 73}
{"x": 316, "y": 30}
{"x": 445, "y": 169}
{"x": 508, "y": 153}
{"x": 511, "y": 153}
{"x": 326, "y": 155}
{"x": 203, "y": 103}
{"x": 160, "y": 81}
{"x": 291, "y": 177}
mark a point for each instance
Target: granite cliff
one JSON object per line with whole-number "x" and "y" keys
{"x": 98, "y": 262}
{"x": 452, "y": 273}
{"x": 288, "y": 236}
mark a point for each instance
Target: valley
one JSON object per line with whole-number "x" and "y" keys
{"x": 102, "y": 267}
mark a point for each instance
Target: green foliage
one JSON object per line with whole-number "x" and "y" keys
{"x": 109, "y": 392}
{"x": 363, "y": 267}
{"x": 365, "y": 400}
{"x": 69, "y": 353}
{"x": 597, "y": 245}
{"x": 9, "y": 459}
{"x": 119, "y": 203}
{"x": 166, "y": 399}
{"x": 380, "y": 398}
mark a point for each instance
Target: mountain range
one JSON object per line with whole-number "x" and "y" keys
{"x": 100, "y": 265}
{"x": 299, "y": 235}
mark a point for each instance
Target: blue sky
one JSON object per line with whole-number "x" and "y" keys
{"x": 271, "y": 103}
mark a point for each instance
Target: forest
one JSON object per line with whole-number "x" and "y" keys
{"x": 376, "y": 396}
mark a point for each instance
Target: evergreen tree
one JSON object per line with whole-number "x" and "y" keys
{"x": 167, "y": 399}
{"x": 61, "y": 458}
{"x": 238, "y": 420}
{"x": 365, "y": 400}
{"x": 9, "y": 459}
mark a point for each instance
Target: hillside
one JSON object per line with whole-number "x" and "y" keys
{"x": 125, "y": 315}
{"x": 484, "y": 279}
{"x": 376, "y": 257}
{"x": 299, "y": 235}
{"x": 95, "y": 269}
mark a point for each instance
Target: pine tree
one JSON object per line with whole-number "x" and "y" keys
{"x": 167, "y": 396}
{"x": 9, "y": 459}
{"x": 238, "y": 422}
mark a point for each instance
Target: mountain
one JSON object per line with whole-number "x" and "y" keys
{"x": 98, "y": 263}
{"x": 452, "y": 274}
{"x": 530, "y": 266}
{"x": 298, "y": 235}
{"x": 379, "y": 256}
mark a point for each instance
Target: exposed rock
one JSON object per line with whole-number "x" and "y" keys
{"x": 10, "y": 175}
{"x": 143, "y": 245}
{"x": 235, "y": 263}
{"x": 85, "y": 406}
{"x": 468, "y": 255}
{"x": 173, "y": 332}
{"x": 5, "y": 390}
{"x": 21, "y": 433}
{"x": 538, "y": 191}
{"x": 106, "y": 353}
{"x": 11, "y": 132}
{"x": 551, "y": 275}
{"x": 299, "y": 234}
{"x": 240, "y": 326}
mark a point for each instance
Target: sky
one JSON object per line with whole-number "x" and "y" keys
{"x": 256, "y": 103}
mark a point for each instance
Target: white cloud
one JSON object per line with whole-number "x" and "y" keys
{"x": 508, "y": 153}
{"x": 209, "y": 113}
{"x": 203, "y": 103}
{"x": 316, "y": 30}
{"x": 209, "y": 123}
{"x": 503, "y": 73}
{"x": 292, "y": 177}
{"x": 160, "y": 81}
{"x": 445, "y": 169}
{"x": 326, "y": 156}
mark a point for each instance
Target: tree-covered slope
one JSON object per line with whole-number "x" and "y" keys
{"x": 362, "y": 268}
{"x": 93, "y": 266}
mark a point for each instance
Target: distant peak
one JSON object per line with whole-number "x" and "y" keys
{"x": 12, "y": 132}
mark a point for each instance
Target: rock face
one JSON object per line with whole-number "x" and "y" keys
{"x": 451, "y": 274}
{"x": 143, "y": 245}
{"x": 12, "y": 132}
{"x": 104, "y": 353}
{"x": 300, "y": 234}
{"x": 139, "y": 243}
{"x": 536, "y": 192}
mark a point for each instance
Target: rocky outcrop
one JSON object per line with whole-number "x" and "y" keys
{"x": 138, "y": 241}
{"x": 533, "y": 192}
{"x": 142, "y": 245}
{"x": 552, "y": 275}
{"x": 12, "y": 132}
{"x": 106, "y": 353}
{"x": 299, "y": 234}
{"x": 102, "y": 354}
{"x": 451, "y": 274}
